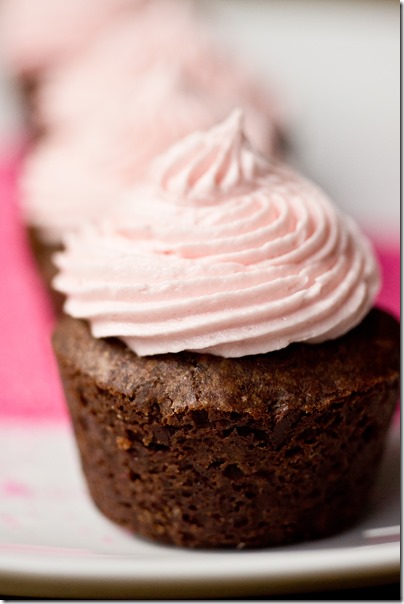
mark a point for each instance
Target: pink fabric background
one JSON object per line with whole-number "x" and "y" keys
{"x": 29, "y": 382}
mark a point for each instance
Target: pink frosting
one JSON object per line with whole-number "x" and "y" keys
{"x": 60, "y": 186}
{"x": 165, "y": 34}
{"x": 221, "y": 252}
{"x": 37, "y": 35}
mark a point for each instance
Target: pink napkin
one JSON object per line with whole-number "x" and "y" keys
{"x": 29, "y": 382}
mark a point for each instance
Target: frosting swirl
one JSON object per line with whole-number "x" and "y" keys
{"x": 221, "y": 252}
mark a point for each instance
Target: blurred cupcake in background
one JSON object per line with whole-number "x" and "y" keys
{"x": 171, "y": 31}
{"x": 39, "y": 36}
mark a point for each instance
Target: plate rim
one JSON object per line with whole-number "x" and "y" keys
{"x": 267, "y": 576}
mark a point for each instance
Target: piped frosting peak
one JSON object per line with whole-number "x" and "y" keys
{"x": 216, "y": 162}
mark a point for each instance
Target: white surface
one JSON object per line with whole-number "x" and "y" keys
{"x": 53, "y": 541}
{"x": 336, "y": 67}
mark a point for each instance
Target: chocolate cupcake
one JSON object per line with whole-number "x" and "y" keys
{"x": 228, "y": 381}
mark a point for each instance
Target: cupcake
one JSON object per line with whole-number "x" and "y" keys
{"x": 229, "y": 382}
{"x": 165, "y": 33}
{"x": 37, "y": 37}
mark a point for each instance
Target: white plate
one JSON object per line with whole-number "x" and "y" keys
{"x": 54, "y": 543}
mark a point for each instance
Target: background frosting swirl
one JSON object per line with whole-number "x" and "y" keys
{"x": 253, "y": 260}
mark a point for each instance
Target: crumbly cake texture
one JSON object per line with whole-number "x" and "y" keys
{"x": 43, "y": 254}
{"x": 201, "y": 451}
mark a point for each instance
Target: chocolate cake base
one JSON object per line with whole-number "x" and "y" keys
{"x": 200, "y": 451}
{"x": 43, "y": 254}
{"x": 27, "y": 86}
